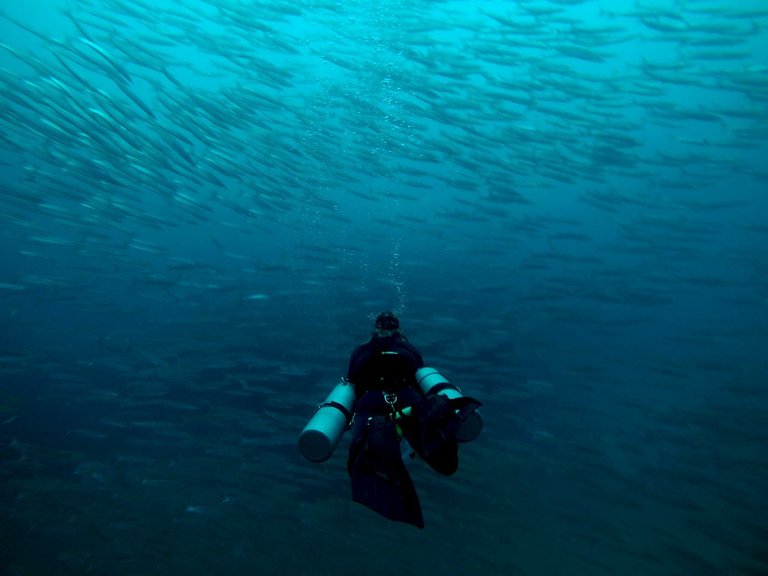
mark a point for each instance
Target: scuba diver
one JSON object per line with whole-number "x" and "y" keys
{"x": 389, "y": 397}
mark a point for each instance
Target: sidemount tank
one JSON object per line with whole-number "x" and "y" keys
{"x": 322, "y": 433}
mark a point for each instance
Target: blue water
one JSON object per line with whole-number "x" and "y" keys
{"x": 204, "y": 204}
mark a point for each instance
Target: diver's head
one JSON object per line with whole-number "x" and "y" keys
{"x": 386, "y": 324}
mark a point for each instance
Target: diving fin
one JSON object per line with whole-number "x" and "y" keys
{"x": 380, "y": 479}
{"x": 437, "y": 419}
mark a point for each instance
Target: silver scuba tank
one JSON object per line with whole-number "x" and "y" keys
{"x": 432, "y": 382}
{"x": 322, "y": 433}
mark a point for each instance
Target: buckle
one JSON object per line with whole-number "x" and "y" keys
{"x": 390, "y": 398}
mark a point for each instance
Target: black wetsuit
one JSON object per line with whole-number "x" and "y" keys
{"x": 384, "y": 363}
{"x": 383, "y": 371}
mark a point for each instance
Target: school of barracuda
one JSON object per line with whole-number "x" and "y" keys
{"x": 203, "y": 202}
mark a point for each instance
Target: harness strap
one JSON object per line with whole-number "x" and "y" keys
{"x": 339, "y": 407}
{"x": 440, "y": 387}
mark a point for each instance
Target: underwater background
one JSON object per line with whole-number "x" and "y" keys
{"x": 204, "y": 203}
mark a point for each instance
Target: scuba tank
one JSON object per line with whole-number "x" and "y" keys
{"x": 322, "y": 433}
{"x": 432, "y": 382}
